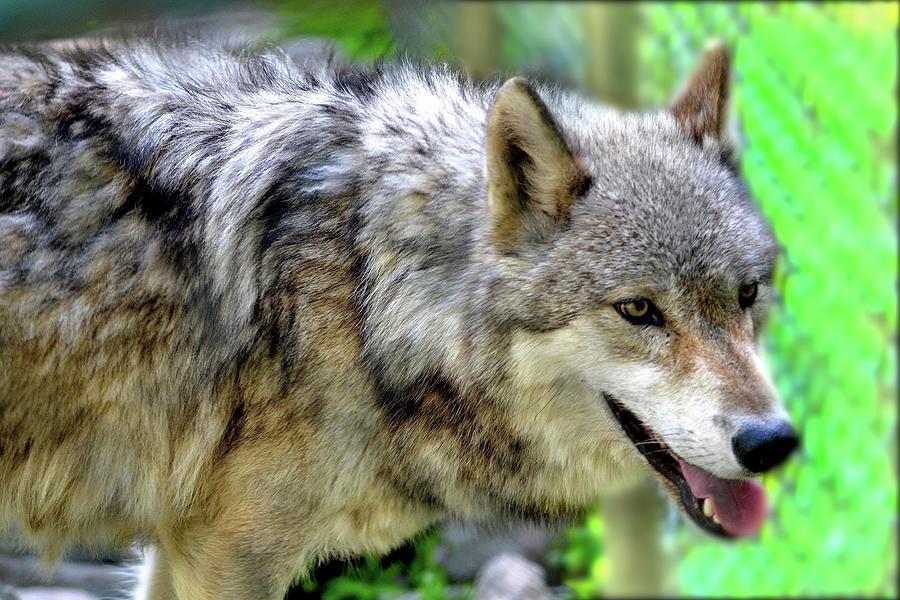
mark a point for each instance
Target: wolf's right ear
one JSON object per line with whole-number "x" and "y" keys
{"x": 701, "y": 105}
{"x": 533, "y": 176}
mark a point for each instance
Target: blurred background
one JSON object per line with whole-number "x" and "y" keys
{"x": 814, "y": 115}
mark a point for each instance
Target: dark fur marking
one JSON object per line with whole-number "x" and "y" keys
{"x": 19, "y": 187}
{"x": 170, "y": 211}
{"x": 284, "y": 199}
{"x": 360, "y": 82}
{"x": 473, "y": 435}
{"x": 18, "y": 452}
{"x": 171, "y": 214}
{"x": 233, "y": 429}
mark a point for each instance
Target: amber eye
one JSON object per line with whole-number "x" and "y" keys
{"x": 747, "y": 295}
{"x": 640, "y": 312}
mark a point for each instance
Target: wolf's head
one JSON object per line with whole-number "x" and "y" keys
{"x": 636, "y": 264}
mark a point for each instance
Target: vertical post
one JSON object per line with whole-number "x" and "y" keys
{"x": 637, "y": 563}
{"x": 478, "y": 38}
{"x": 611, "y": 36}
{"x": 633, "y": 518}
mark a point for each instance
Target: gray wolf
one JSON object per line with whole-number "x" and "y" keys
{"x": 259, "y": 312}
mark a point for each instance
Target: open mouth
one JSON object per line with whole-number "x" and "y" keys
{"x": 727, "y": 508}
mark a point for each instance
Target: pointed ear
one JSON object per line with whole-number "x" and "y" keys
{"x": 701, "y": 105}
{"x": 533, "y": 177}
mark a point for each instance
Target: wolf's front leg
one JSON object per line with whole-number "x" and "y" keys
{"x": 221, "y": 567}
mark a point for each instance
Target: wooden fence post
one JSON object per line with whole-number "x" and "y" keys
{"x": 611, "y": 33}
{"x": 478, "y": 38}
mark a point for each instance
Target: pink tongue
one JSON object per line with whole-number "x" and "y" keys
{"x": 740, "y": 504}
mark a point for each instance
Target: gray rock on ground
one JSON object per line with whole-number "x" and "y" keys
{"x": 464, "y": 548}
{"x": 511, "y": 577}
{"x": 7, "y": 593}
{"x": 49, "y": 593}
{"x": 97, "y": 580}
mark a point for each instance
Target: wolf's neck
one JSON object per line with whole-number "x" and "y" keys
{"x": 422, "y": 227}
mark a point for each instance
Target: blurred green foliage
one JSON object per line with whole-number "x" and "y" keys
{"x": 376, "y": 578}
{"x": 358, "y": 26}
{"x": 580, "y": 557}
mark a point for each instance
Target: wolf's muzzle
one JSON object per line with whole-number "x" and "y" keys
{"x": 761, "y": 446}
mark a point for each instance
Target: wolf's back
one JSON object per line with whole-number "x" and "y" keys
{"x": 141, "y": 210}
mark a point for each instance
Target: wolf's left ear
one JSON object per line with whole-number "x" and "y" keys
{"x": 533, "y": 177}
{"x": 701, "y": 105}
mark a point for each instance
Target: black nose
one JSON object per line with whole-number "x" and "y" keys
{"x": 763, "y": 445}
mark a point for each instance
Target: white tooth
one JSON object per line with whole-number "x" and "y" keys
{"x": 716, "y": 520}
{"x": 707, "y": 507}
